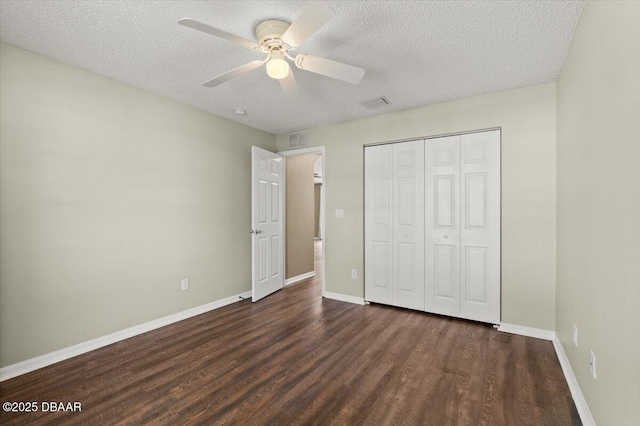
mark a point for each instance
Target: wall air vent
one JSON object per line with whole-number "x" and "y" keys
{"x": 376, "y": 103}
{"x": 298, "y": 140}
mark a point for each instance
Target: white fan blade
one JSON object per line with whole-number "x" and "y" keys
{"x": 330, "y": 68}
{"x": 188, "y": 22}
{"x": 310, "y": 20}
{"x": 289, "y": 87}
{"x": 233, "y": 73}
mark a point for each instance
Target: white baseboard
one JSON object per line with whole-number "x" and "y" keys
{"x": 344, "y": 298}
{"x": 41, "y": 361}
{"x": 538, "y": 333}
{"x": 301, "y": 277}
{"x": 572, "y": 382}
{"x": 574, "y": 387}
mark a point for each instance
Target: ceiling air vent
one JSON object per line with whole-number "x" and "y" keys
{"x": 376, "y": 103}
{"x": 298, "y": 140}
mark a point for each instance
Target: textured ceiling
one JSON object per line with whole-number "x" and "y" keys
{"x": 415, "y": 53}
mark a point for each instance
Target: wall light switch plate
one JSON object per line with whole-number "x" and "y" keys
{"x": 575, "y": 335}
{"x": 592, "y": 364}
{"x": 354, "y": 273}
{"x": 339, "y": 214}
{"x": 184, "y": 284}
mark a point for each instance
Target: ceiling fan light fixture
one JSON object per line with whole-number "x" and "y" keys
{"x": 277, "y": 67}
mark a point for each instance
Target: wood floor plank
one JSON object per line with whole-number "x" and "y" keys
{"x": 463, "y": 404}
{"x": 296, "y": 358}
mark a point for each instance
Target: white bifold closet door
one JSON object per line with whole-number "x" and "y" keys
{"x": 442, "y": 225}
{"x": 435, "y": 247}
{"x": 394, "y": 242}
{"x": 480, "y": 225}
{"x": 462, "y": 221}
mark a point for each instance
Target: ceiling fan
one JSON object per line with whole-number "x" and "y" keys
{"x": 277, "y": 39}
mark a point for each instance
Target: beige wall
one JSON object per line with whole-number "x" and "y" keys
{"x": 109, "y": 196}
{"x": 300, "y": 209}
{"x": 317, "y": 194}
{"x": 527, "y": 117}
{"x": 599, "y": 208}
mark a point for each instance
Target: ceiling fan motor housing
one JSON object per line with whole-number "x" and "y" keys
{"x": 269, "y": 33}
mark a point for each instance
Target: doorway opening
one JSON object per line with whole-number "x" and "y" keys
{"x": 304, "y": 211}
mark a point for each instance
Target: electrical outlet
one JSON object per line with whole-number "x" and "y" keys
{"x": 575, "y": 335}
{"x": 184, "y": 284}
{"x": 592, "y": 364}
{"x": 354, "y": 273}
{"x": 339, "y": 214}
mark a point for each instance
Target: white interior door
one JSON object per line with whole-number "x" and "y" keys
{"x": 480, "y": 239}
{"x": 266, "y": 222}
{"x": 378, "y": 213}
{"x": 442, "y": 223}
{"x": 408, "y": 224}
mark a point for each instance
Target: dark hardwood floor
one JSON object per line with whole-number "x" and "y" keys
{"x": 295, "y": 358}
